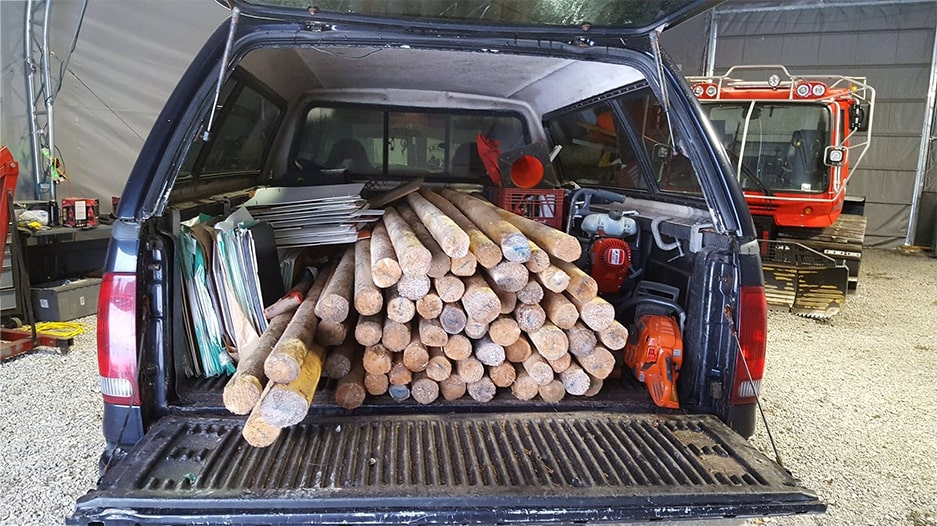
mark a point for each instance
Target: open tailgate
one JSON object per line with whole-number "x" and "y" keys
{"x": 443, "y": 469}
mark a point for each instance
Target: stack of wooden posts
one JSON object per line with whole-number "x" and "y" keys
{"x": 450, "y": 296}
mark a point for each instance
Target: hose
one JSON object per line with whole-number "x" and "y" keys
{"x": 60, "y": 329}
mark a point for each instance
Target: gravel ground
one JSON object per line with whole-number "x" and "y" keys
{"x": 852, "y": 405}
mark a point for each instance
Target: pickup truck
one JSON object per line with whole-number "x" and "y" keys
{"x": 382, "y": 93}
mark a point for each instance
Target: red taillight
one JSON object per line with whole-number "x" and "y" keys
{"x": 117, "y": 338}
{"x": 752, "y": 329}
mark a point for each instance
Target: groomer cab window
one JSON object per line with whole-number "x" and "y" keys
{"x": 622, "y": 140}
{"x": 400, "y": 143}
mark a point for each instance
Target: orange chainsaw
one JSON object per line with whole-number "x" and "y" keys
{"x": 655, "y": 353}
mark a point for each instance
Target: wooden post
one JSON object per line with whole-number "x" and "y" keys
{"x": 480, "y": 301}
{"x": 562, "y": 312}
{"x": 368, "y": 298}
{"x": 538, "y": 369}
{"x": 600, "y": 363}
{"x": 458, "y": 347}
{"x": 504, "y": 331}
{"x": 464, "y": 266}
{"x": 429, "y": 306}
{"x": 553, "y": 279}
{"x": 581, "y": 340}
{"x": 333, "y": 303}
{"x": 413, "y": 257}
{"x": 287, "y": 404}
{"x": 550, "y": 341}
{"x": 385, "y": 270}
{"x": 432, "y": 333}
{"x": 453, "y": 240}
{"x": 377, "y": 359}
{"x": 470, "y": 370}
{"x": 376, "y": 384}
{"x": 514, "y": 245}
{"x": 508, "y": 299}
{"x": 582, "y": 286}
{"x": 529, "y": 317}
{"x": 399, "y": 374}
{"x": 399, "y": 308}
{"x": 257, "y": 431}
{"x": 488, "y": 352}
{"x": 369, "y": 330}
{"x": 562, "y": 363}
{"x": 243, "y": 390}
{"x": 453, "y": 318}
{"x": 439, "y": 367}
{"x": 330, "y": 333}
{"x": 439, "y": 263}
{"x": 424, "y": 389}
{"x": 452, "y": 388}
{"x": 518, "y": 351}
{"x": 594, "y": 387}
{"x": 509, "y": 276}
{"x": 399, "y": 392}
{"x": 597, "y": 313}
{"x": 575, "y": 380}
{"x": 524, "y": 386}
{"x": 475, "y": 329}
{"x": 283, "y": 363}
{"x": 415, "y": 355}
{"x": 413, "y": 287}
{"x": 531, "y": 293}
{"x": 556, "y": 242}
{"x": 338, "y": 361}
{"x": 449, "y": 288}
{"x": 483, "y": 390}
{"x": 396, "y": 335}
{"x": 553, "y": 392}
{"x": 503, "y": 374}
{"x": 614, "y": 337}
{"x": 350, "y": 391}
{"x": 485, "y": 250}
{"x": 539, "y": 259}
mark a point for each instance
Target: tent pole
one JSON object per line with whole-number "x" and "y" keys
{"x": 926, "y": 138}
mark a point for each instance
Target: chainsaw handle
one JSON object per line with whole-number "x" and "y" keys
{"x": 660, "y": 302}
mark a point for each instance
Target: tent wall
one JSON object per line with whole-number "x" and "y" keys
{"x": 892, "y": 44}
{"x": 130, "y": 55}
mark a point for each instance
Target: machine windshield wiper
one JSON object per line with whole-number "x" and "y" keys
{"x": 747, "y": 173}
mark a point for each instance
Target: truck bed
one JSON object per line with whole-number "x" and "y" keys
{"x": 456, "y": 467}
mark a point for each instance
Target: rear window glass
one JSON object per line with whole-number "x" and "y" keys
{"x": 393, "y": 142}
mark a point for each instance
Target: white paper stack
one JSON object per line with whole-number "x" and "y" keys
{"x": 313, "y": 215}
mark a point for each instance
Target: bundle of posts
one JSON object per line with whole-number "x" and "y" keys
{"x": 451, "y": 296}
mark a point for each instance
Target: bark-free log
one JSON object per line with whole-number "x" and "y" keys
{"x": 453, "y": 318}
{"x": 452, "y": 388}
{"x": 553, "y": 392}
{"x": 582, "y": 286}
{"x": 333, "y": 303}
{"x": 614, "y": 337}
{"x": 429, "y": 306}
{"x": 330, "y": 333}
{"x": 377, "y": 359}
{"x": 413, "y": 257}
{"x": 553, "y": 278}
{"x": 480, "y": 301}
{"x": 413, "y": 287}
{"x": 524, "y": 386}
{"x": 562, "y": 312}
{"x": 483, "y": 390}
{"x": 594, "y": 387}
{"x": 376, "y": 384}
{"x": 369, "y": 330}
{"x": 529, "y": 317}
{"x": 539, "y": 258}
{"x": 531, "y": 293}
{"x": 415, "y": 355}
{"x": 292, "y": 299}
{"x": 424, "y": 389}
{"x": 504, "y": 331}
{"x": 458, "y": 347}
{"x": 368, "y": 297}
{"x": 475, "y": 329}
{"x": 596, "y": 313}
{"x": 562, "y": 363}
{"x": 339, "y": 360}
{"x": 464, "y": 266}
{"x": 538, "y": 369}
{"x": 399, "y": 392}
{"x": 396, "y": 335}
{"x": 600, "y": 363}
{"x": 509, "y": 276}
{"x": 287, "y": 404}
{"x": 439, "y": 262}
{"x": 514, "y": 245}
{"x": 453, "y": 240}
{"x": 575, "y": 380}
{"x": 399, "y": 308}
{"x": 485, "y": 250}
{"x": 243, "y": 390}
{"x": 582, "y": 339}
{"x": 257, "y": 431}
{"x": 439, "y": 367}
{"x": 470, "y": 370}
{"x": 432, "y": 333}
{"x": 385, "y": 270}
{"x": 556, "y": 242}
{"x": 550, "y": 341}
{"x": 350, "y": 391}
{"x": 399, "y": 374}
{"x": 488, "y": 352}
{"x": 283, "y": 363}
{"x": 450, "y": 288}
{"x": 518, "y": 351}
{"x": 502, "y": 375}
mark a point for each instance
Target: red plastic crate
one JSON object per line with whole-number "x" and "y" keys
{"x": 543, "y": 206}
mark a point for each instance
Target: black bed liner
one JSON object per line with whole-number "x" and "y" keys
{"x": 476, "y": 468}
